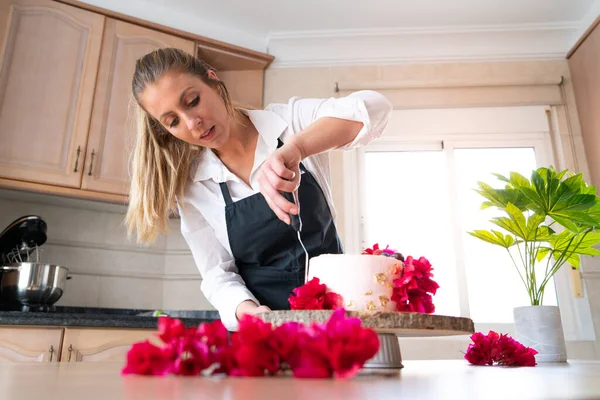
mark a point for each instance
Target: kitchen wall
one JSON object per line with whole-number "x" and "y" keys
{"x": 108, "y": 269}
{"x": 283, "y": 83}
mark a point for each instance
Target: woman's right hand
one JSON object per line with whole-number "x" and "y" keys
{"x": 249, "y": 307}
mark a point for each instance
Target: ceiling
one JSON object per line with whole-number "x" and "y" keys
{"x": 292, "y": 26}
{"x": 266, "y": 16}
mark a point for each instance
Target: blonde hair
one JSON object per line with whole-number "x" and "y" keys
{"x": 160, "y": 162}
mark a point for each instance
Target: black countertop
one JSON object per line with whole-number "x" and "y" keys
{"x": 102, "y": 317}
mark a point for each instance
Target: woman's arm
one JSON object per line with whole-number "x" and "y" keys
{"x": 322, "y": 125}
{"x": 221, "y": 283}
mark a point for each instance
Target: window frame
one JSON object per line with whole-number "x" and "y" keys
{"x": 575, "y": 312}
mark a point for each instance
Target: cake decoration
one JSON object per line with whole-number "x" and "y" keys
{"x": 384, "y": 300}
{"x": 403, "y": 284}
{"x": 313, "y": 295}
{"x": 381, "y": 278}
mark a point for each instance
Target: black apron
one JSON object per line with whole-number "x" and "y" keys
{"x": 266, "y": 250}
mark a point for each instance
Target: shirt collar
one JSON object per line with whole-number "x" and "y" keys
{"x": 269, "y": 125}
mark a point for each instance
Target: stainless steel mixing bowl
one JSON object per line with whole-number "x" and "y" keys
{"x": 32, "y": 284}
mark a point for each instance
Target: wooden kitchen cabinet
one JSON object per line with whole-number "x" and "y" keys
{"x": 94, "y": 344}
{"x": 30, "y": 344}
{"x": 584, "y": 66}
{"x": 65, "y": 91}
{"x": 48, "y": 64}
{"x": 111, "y": 136}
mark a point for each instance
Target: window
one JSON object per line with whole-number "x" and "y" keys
{"x": 414, "y": 211}
{"x": 413, "y": 189}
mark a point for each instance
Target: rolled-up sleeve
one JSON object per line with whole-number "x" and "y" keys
{"x": 223, "y": 287}
{"x": 366, "y": 106}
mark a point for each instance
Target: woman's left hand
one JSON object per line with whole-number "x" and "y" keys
{"x": 281, "y": 173}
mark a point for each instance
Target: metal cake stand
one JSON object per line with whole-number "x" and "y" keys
{"x": 389, "y": 327}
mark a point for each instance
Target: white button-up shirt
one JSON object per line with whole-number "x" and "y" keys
{"x": 202, "y": 208}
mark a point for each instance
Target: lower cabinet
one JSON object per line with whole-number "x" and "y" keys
{"x": 58, "y": 344}
{"x": 30, "y": 344}
{"x": 100, "y": 345}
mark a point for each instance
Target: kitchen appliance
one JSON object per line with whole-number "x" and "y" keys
{"x": 26, "y": 282}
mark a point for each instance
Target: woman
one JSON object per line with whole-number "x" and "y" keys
{"x": 231, "y": 171}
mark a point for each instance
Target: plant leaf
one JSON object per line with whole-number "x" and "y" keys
{"x": 518, "y": 218}
{"x": 501, "y": 177}
{"x": 519, "y": 181}
{"x": 491, "y": 238}
{"x": 542, "y": 253}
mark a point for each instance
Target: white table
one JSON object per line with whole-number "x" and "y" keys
{"x": 451, "y": 379}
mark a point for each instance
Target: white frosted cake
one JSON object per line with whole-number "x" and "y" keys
{"x": 363, "y": 281}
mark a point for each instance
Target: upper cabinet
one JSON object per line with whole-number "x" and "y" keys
{"x": 111, "y": 135}
{"x": 66, "y": 125}
{"x": 584, "y": 66}
{"x": 48, "y": 65}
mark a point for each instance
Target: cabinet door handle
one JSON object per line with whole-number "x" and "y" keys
{"x": 77, "y": 158}
{"x": 51, "y": 352}
{"x": 91, "y": 163}
{"x": 70, "y": 349}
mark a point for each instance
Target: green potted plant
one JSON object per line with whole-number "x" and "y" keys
{"x": 549, "y": 220}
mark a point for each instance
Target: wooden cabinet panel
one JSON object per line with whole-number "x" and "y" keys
{"x": 101, "y": 345}
{"x": 48, "y": 64}
{"x": 111, "y": 135}
{"x": 584, "y": 66}
{"x": 245, "y": 87}
{"x": 30, "y": 344}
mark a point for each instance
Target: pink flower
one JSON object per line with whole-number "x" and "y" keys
{"x": 333, "y": 301}
{"x": 170, "y": 328}
{"x": 338, "y": 348}
{"x": 284, "y": 339}
{"x": 483, "y": 349}
{"x": 190, "y": 356}
{"x": 513, "y": 353}
{"x": 144, "y": 358}
{"x": 252, "y": 353}
{"x": 414, "y": 289}
{"x": 214, "y": 333}
{"x": 500, "y": 349}
{"x": 310, "y": 359}
{"x": 350, "y": 345}
{"x": 313, "y": 295}
{"x": 309, "y": 296}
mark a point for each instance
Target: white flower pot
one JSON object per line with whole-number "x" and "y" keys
{"x": 540, "y": 328}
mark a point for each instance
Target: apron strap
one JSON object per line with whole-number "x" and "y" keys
{"x": 225, "y": 189}
{"x": 226, "y": 195}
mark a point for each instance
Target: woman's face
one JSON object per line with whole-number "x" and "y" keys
{"x": 188, "y": 108}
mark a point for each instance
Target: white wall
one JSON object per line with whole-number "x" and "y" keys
{"x": 108, "y": 269}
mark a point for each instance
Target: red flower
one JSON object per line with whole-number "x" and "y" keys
{"x": 337, "y": 348}
{"x": 513, "y": 353}
{"x": 285, "y": 338}
{"x": 251, "y": 351}
{"x": 333, "y": 301}
{"x": 413, "y": 290}
{"x": 313, "y": 295}
{"x": 500, "y": 349}
{"x": 376, "y": 251}
{"x": 310, "y": 359}
{"x": 350, "y": 344}
{"x": 214, "y": 334}
{"x": 170, "y": 328}
{"x": 146, "y": 359}
{"x": 191, "y": 356}
{"x": 483, "y": 349}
